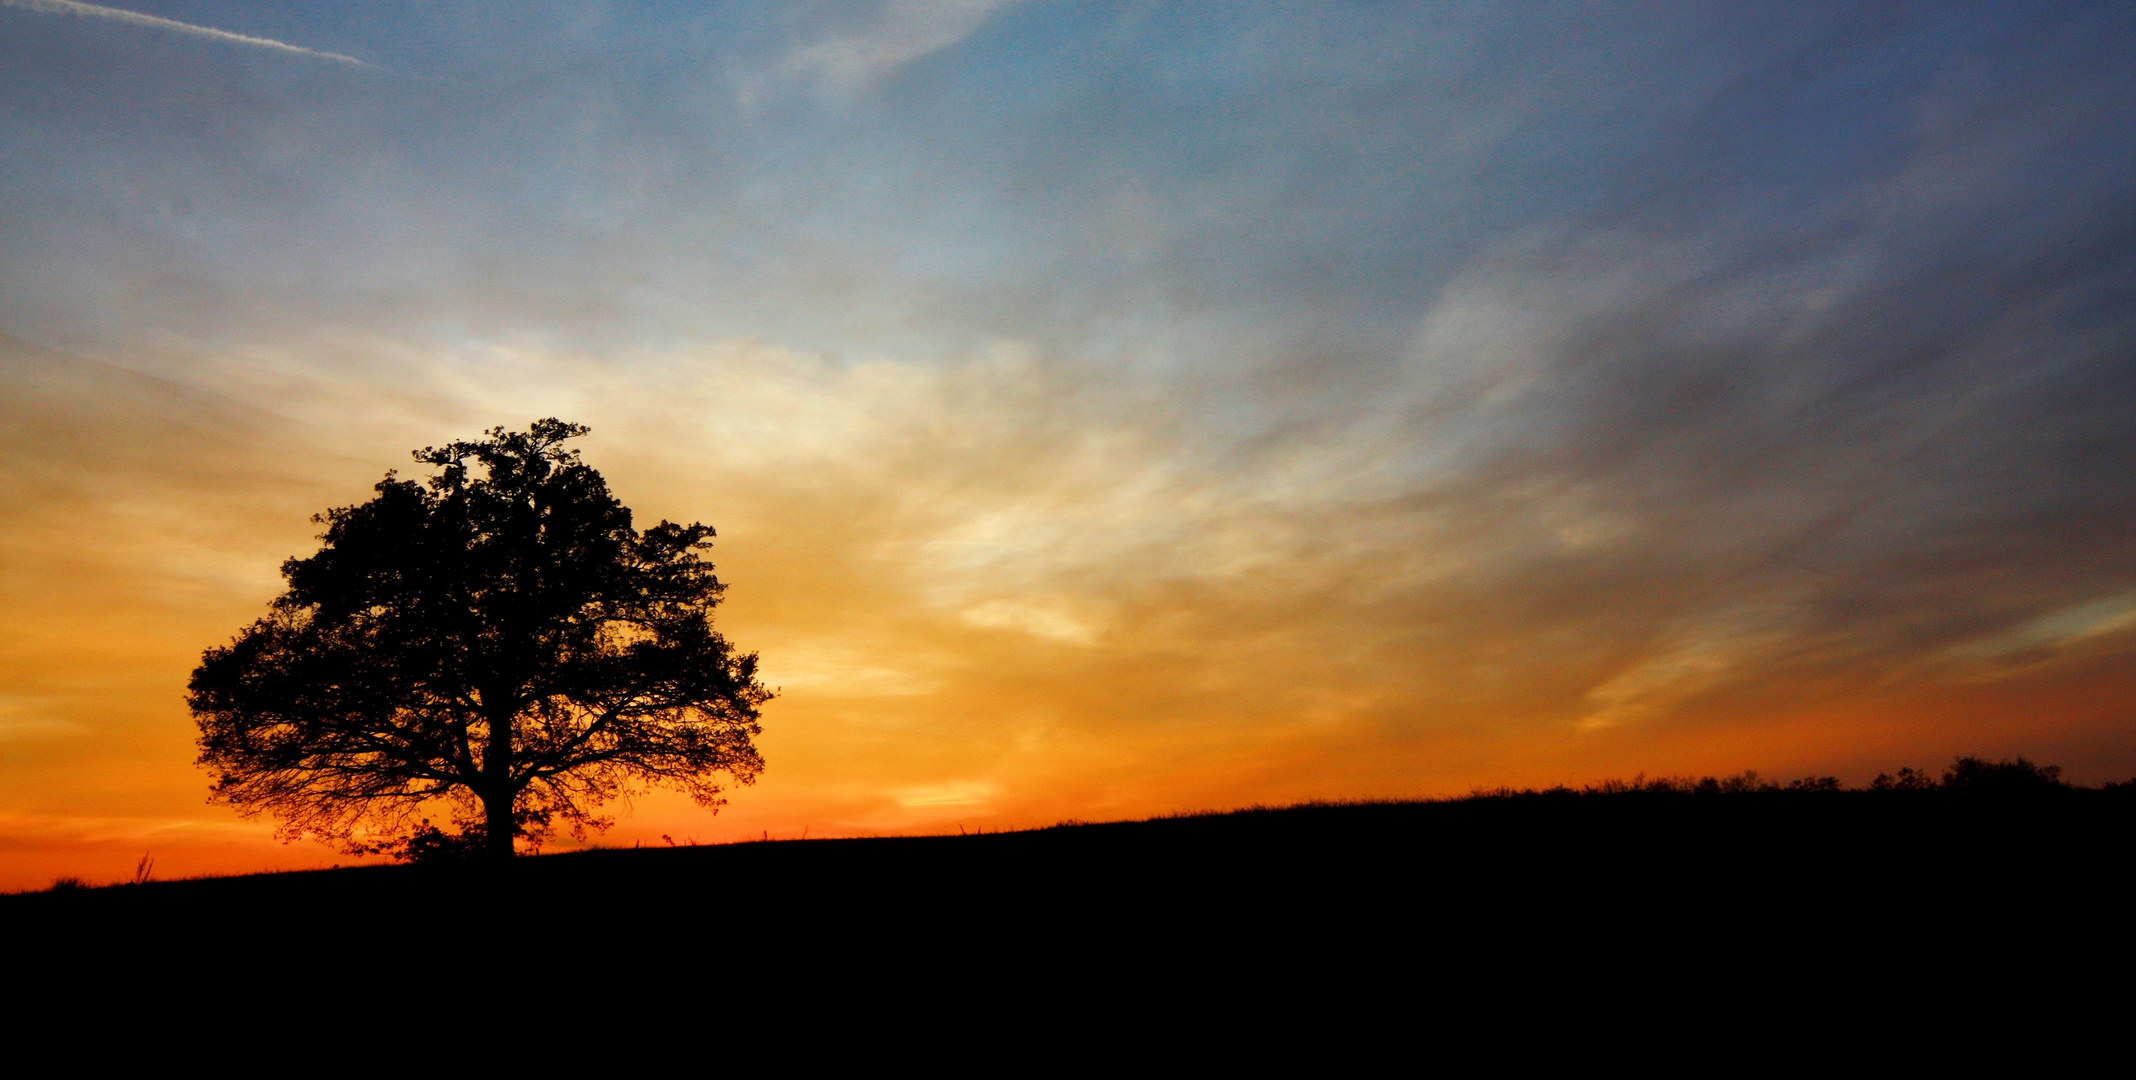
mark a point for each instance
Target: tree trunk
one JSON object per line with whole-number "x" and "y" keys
{"x": 497, "y": 801}
{"x": 497, "y": 841}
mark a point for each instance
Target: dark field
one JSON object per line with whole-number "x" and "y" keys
{"x": 1656, "y": 874}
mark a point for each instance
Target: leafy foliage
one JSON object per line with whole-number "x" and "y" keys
{"x": 497, "y": 641}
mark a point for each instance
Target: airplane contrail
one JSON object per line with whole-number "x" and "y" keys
{"x": 93, "y": 11}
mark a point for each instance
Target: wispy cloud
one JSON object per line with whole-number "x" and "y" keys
{"x": 93, "y": 11}
{"x": 901, "y": 32}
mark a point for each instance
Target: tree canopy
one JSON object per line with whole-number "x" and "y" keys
{"x": 496, "y": 644}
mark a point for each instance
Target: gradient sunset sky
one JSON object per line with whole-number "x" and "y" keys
{"x": 1106, "y": 408}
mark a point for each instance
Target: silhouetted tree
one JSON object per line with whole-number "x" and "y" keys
{"x": 498, "y": 639}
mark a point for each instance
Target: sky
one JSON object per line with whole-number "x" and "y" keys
{"x": 1107, "y": 409}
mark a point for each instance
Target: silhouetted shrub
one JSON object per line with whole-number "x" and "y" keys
{"x": 2015, "y": 776}
{"x": 1905, "y": 780}
{"x": 1816, "y": 783}
{"x": 1742, "y": 783}
{"x": 429, "y": 845}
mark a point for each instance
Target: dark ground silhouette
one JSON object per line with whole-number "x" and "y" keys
{"x": 1915, "y": 874}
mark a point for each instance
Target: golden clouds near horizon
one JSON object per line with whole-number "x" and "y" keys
{"x": 994, "y": 593}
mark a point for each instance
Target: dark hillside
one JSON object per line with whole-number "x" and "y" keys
{"x": 1641, "y": 874}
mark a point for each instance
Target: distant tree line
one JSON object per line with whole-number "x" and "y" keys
{"x": 1966, "y": 776}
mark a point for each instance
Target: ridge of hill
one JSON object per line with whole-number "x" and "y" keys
{"x": 1736, "y": 828}
{"x": 1660, "y": 876}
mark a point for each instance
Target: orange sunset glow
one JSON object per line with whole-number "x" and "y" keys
{"x": 1105, "y": 410}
